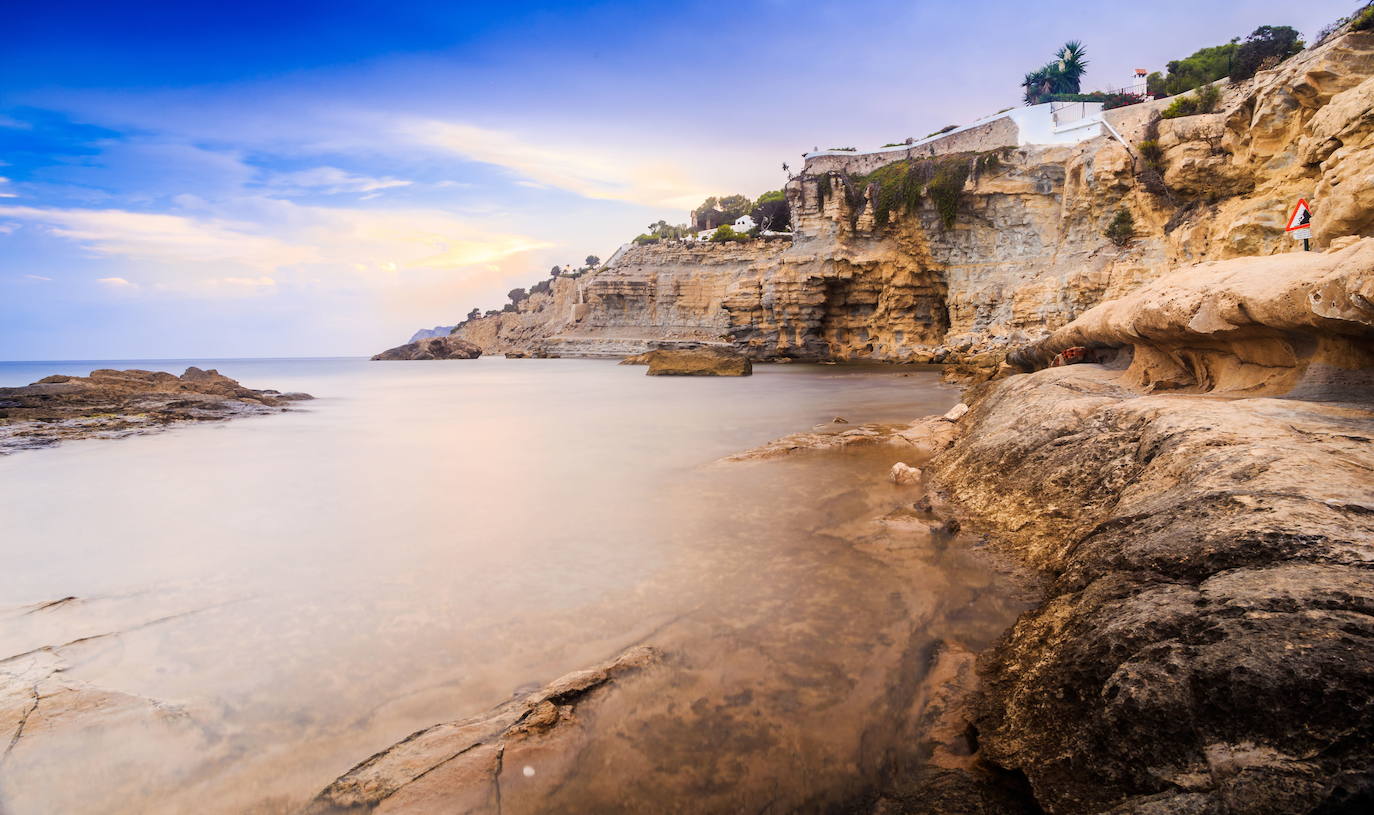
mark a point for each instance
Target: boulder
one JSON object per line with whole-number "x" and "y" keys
{"x": 699, "y": 362}
{"x": 447, "y": 347}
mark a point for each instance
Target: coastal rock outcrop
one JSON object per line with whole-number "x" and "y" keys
{"x": 111, "y": 404}
{"x": 1015, "y": 251}
{"x": 445, "y": 347}
{"x": 459, "y": 766}
{"x": 1207, "y": 639}
{"x": 706, "y": 361}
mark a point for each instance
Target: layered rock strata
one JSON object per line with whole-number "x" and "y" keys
{"x": 1024, "y": 252}
{"x": 698, "y": 362}
{"x": 111, "y": 404}
{"x": 1204, "y": 512}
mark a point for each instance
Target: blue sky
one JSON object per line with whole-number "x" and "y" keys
{"x": 321, "y": 178}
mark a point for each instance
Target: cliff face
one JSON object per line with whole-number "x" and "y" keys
{"x": 1024, "y": 252}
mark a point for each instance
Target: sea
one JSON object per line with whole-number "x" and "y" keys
{"x": 224, "y": 617}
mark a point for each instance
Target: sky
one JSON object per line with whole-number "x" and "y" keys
{"x": 198, "y": 179}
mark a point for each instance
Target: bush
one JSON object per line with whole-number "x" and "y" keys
{"x": 1152, "y": 153}
{"x": 727, "y": 234}
{"x": 944, "y": 129}
{"x": 1266, "y": 46}
{"x": 1108, "y": 100}
{"x": 1364, "y": 19}
{"x": 771, "y": 211}
{"x": 1122, "y": 228}
{"x": 642, "y": 239}
{"x": 1203, "y": 100}
{"x": 1206, "y": 65}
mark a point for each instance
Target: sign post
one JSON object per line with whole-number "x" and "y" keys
{"x": 1300, "y": 223}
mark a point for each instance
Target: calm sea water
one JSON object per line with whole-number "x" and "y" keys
{"x": 257, "y": 605}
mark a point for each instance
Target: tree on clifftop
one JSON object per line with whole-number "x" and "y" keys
{"x": 593, "y": 261}
{"x": 1064, "y": 75}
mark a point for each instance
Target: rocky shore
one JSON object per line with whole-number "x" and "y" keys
{"x": 115, "y": 404}
{"x": 1203, "y": 509}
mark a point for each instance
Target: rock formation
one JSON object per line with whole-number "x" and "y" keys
{"x": 446, "y": 347}
{"x": 709, "y": 361}
{"x": 1024, "y": 252}
{"x": 111, "y": 403}
{"x": 1202, "y": 510}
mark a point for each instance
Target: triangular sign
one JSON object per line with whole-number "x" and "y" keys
{"x": 1301, "y": 217}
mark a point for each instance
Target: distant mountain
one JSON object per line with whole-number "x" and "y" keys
{"x": 427, "y": 333}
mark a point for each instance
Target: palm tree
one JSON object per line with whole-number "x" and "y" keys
{"x": 1039, "y": 84}
{"x": 1070, "y": 67}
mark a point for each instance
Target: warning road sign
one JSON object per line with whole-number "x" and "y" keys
{"x": 1301, "y": 217}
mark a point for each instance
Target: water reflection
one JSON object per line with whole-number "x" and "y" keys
{"x": 259, "y": 605}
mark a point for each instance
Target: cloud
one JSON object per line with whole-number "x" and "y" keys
{"x": 4, "y": 192}
{"x": 589, "y": 172}
{"x": 166, "y": 238}
{"x": 269, "y": 238}
{"x": 115, "y": 282}
{"x": 332, "y": 180}
{"x": 38, "y": 277}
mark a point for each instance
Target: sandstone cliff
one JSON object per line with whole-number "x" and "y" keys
{"x": 1024, "y": 251}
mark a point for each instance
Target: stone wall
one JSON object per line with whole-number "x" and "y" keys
{"x": 989, "y": 136}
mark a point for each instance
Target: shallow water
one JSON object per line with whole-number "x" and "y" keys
{"x": 262, "y": 603}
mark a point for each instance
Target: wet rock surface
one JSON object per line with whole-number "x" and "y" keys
{"x": 1207, "y": 639}
{"x": 113, "y": 404}
{"x": 446, "y": 347}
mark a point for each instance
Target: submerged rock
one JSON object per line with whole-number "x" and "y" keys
{"x": 446, "y": 347}
{"x": 111, "y": 404}
{"x": 708, "y": 361}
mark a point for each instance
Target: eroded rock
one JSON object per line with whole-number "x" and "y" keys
{"x": 708, "y": 361}
{"x": 1207, "y": 643}
{"x": 445, "y": 347}
{"x": 113, "y": 404}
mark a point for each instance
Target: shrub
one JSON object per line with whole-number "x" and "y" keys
{"x": 1122, "y": 228}
{"x": 1204, "y": 66}
{"x": 726, "y": 234}
{"x": 944, "y": 129}
{"x": 843, "y": 149}
{"x": 771, "y": 211}
{"x": 1266, "y": 44}
{"x": 642, "y": 239}
{"x": 1363, "y": 19}
{"x": 1203, "y": 100}
{"x": 1152, "y": 153}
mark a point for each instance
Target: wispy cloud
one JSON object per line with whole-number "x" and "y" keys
{"x": 115, "y": 282}
{"x": 222, "y": 255}
{"x": 332, "y": 180}
{"x": 161, "y": 237}
{"x": 589, "y": 172}
{"x": 38, "y": 277}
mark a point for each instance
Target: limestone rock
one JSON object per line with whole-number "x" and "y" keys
{"x": 445, "y": 347}
{"x": 699, "y": 362}
{"x": 1206, "y": 644}
{"x": 111, "y": 404}
{"x": 1025, "y": 254}
{"x": 903, "y": 474}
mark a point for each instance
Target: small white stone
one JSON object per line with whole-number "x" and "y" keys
{"x": 957, "y": 412}
{"x": 903, "y": 473}
{"x": 528, "y": 771}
